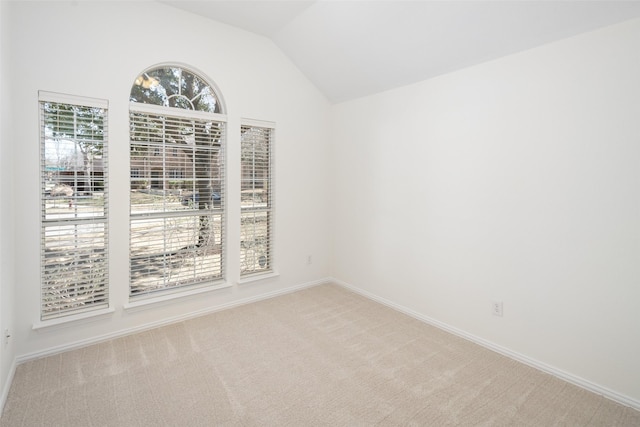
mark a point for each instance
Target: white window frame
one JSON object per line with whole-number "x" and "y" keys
{"x": 257, "y": 258}
{"x": 75, "y": 285}
{"x": 202, "y": 279}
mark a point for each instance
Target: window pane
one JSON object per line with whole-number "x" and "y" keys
{"x": 75, "y": 269}
{"x": 175, "y": 251}
{"x": 256, "y": 254}
{"x": 177, "y": 164}
{"x": 176, "y": 201}
{"x": 74, "y": 193}
{"x": 174, "y": 87}
{"x": 255, "y": 247}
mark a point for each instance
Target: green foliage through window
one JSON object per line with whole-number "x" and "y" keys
{"x": 176, "y": 88}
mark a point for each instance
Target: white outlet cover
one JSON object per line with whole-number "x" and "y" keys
{"x": 496, "y": 308}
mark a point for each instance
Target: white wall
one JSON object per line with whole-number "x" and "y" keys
{"x": 515, "y": 180}
{"x": 97, "y": 49}
{"x": 7, "y": 350}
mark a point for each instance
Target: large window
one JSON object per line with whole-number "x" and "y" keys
{"x": 177, "y": 138}
{"x": 74, "y": 208}
{"x": 256, "y": 216}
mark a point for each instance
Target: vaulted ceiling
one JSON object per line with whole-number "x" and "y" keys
{"x": 354, "y": 48}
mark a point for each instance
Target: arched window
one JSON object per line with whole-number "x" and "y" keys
{"x": 175, "y": 87}
{"x": 177, "y": 141}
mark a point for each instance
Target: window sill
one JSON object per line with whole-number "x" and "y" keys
{"x": 72, "y": 319}
{"x": 142, "y": 302}
{"x": 258, "y": 277}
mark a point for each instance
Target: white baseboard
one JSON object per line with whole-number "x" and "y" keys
{"x": 175, "y": 319}
{"x": 7, "y": 385}
{"x": 570, "y": 378}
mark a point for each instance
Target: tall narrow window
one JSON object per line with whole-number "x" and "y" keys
{"x": 256, "y": 216}
{"x": 74, "y": 194}
{"x": 177, "y": 137}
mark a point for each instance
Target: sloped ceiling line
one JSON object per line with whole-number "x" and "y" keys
{"x": 350, "y": 49}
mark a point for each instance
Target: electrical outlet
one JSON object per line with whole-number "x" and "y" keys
{"x": 7, "y": 335}
{"x": 496, "y": 308}
{"x": 309, "y": 260}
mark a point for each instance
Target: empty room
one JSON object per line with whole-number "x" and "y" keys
{"x": 319, "y": 213}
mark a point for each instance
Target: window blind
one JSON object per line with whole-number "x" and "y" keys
{"x": 74, "y": 205}
{"x": 256, "y": 216}
{"x": 176, "y": 199}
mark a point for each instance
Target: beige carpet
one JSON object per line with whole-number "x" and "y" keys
{"x": 318, "y": 357}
